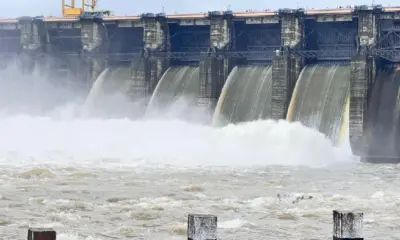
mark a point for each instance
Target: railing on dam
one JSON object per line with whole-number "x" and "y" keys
{"x": 346, "y": 226}
{"x": 392, "y": 55}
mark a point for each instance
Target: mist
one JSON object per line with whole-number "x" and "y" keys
{"x": 37, "y": 93}
{"x": 41, "y": 94}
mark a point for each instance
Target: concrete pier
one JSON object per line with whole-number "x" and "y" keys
{"x": 202, "y": 227}
{"x": 94, "y": 40}
{"x": 32, "y": 34}
{"x": 156, "y": 40}
{"x": 359, "y": 84}
{"x": 149, "y": 63}
{"x": 32, "y": 40}
{"x": 215, "y": 69}
{"x": 348, "y": 225}
{"x": 41, "y": 234}
{"x": 286, "y": 68}
{"x": 363, "y": 71}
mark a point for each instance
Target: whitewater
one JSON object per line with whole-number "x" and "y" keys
{"x": 99, "y": 177}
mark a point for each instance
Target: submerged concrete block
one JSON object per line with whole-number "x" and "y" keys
{"x": 348, "y": 225}
{"x": 202, "y": 227}
{"x": 41, "y": 234}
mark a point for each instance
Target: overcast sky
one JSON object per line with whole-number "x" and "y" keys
{"x": 15, "y": 8}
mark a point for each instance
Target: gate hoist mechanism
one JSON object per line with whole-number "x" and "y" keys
{"x": 87, "y": 7}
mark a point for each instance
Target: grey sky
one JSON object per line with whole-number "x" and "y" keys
{"x": 10, "y": 8}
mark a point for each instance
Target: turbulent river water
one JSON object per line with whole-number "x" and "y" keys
{"x": 92, "y": 178}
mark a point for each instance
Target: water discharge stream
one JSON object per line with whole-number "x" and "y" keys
{"x": 246, "y": 96}
{"x": 320, "y": 99}
{"x": 384, "y": 115}
{"x": 178, "y": 84}
{"x": 117, "y": 92}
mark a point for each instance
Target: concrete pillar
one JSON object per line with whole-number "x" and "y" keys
{"x": 220, "y": 30}
{"x": 362, "y": 76}
{"x": 213, "y": 73}
{"x": 359, "y": 80}
{"x": 286, "y": 68}
{"x": 292, "y": 28}
{"x": 41, "y": 234}
{"x": 202, "y": 227}
{"x": 33, "y": 38}
{"x": 94, "y": 39}
{"x": 32, "y": 33}
{"x": 156, "y": 43}
{"x": 348, "y": 225}
{"x": 213, "y": 69}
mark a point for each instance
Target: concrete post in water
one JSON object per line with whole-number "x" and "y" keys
{"x": 156, "y": 43}
{"x": 348, "y": 225}
{"x": 94, "y": 39}
{"x": 286, "y": 68}
{"x": 363, "y": 69}
{"x": 202, "y": 227}
{"x": 41, "y": 234}
{"x": 213, "y": 69}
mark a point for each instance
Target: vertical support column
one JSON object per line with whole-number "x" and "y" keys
{"x": 94, "y": 39}
{"x": 41, "y": 234}
{"x": 156, "y": 44}
{"x": 280, "y": 86}
{"x": 359, "y": 79}
{"x": 362, "y": 75}
{"x": 348, "y": 225}
{"x": 286, "y": 68}
{"x": 212, "y": 78}
{"x": 31, "y": 33}
{"x": 214, "y": 69}
{"x": 32, "y": 41}
{"x": 202, "y": 227}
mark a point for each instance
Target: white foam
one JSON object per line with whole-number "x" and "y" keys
{"x": 231, "y": 224}
{"x": 26, "y": 139}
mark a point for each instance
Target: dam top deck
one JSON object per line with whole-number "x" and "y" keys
{"x": 309, "y": 12}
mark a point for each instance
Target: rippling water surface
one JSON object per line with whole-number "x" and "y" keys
{"x": 124, "y": 179}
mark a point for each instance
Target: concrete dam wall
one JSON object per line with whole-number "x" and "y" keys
{"x": 331, "y": 70}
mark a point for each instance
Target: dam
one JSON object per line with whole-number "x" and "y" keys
{"x": 334, "y": 70}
